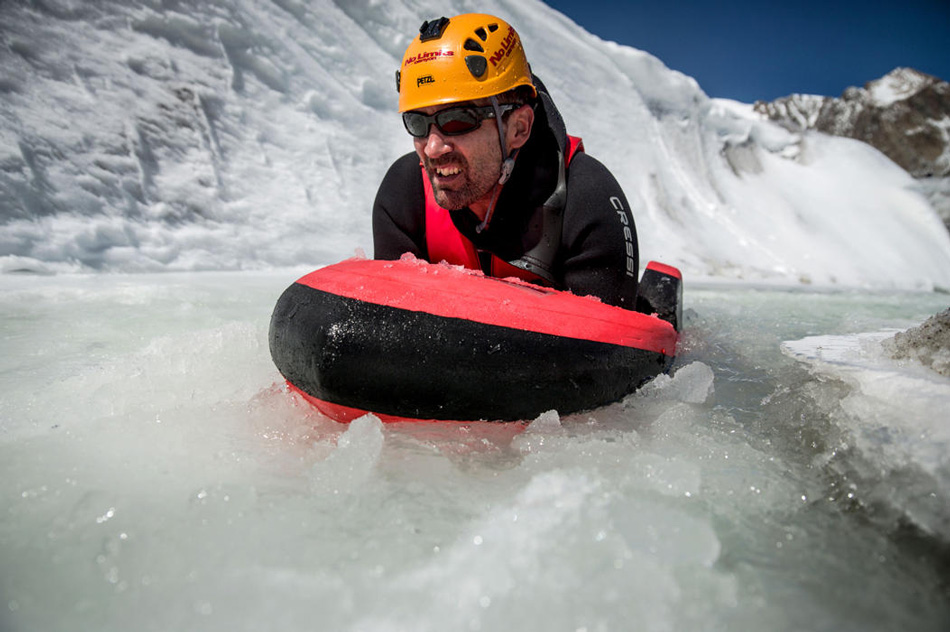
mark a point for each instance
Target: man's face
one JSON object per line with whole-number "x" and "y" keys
{"x": 462, "y": 169}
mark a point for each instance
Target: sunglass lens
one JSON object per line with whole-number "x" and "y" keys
{"x": 456, "y": 121}
{"x": 416, "y": 124}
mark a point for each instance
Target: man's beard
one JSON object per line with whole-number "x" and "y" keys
{"x": 475, "y": 181}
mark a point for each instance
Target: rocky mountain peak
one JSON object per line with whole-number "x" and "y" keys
{"x": 905, "y": 114}
{"x": 897, "y": 85}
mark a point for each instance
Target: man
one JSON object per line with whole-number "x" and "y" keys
{"x": 495, "y": 183}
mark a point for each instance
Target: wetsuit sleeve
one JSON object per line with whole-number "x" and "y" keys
{"x": 599, "y": 236}
{"x": 399, "y": 212}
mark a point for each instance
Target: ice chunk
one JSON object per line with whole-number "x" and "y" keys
{"x": 353, "y": 462}
{"x": 691, "y": 384}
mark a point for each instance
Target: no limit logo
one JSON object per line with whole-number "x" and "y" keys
{"x": 507, "y": 46}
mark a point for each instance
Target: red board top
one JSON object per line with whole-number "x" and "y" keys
{"x": 456, "y": 292}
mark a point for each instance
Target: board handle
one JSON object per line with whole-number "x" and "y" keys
{"x": 661, "y": 293}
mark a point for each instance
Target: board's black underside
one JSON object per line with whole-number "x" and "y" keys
{"x": 417, "y": 365}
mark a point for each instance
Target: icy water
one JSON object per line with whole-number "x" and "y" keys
{"x": 154, "y": 475}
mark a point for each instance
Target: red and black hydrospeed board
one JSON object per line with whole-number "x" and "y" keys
{"x": 410, "y": 340}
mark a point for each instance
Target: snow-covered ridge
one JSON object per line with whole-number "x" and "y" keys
{"x": 898, "y": 85}
{"x": 247, "y": 134}
{"x": 905, "y": 115}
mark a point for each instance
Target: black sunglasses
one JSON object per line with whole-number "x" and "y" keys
{"x": 451, "y": 121}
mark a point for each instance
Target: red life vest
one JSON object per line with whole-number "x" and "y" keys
{"x": 445, "y": 243}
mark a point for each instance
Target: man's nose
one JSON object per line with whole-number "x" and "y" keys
{"x": 436, "y": 144}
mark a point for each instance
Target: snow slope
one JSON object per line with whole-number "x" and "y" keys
{"x": 231, "y": 135}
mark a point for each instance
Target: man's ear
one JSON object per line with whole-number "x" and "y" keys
{"x": 520, "y": 122}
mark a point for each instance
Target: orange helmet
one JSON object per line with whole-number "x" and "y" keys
{"x": 468, "y": 57}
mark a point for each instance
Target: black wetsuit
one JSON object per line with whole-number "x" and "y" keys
{"x": 597, "y": 253}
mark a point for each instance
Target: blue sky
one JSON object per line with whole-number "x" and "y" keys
{"x": 758, "y": 49}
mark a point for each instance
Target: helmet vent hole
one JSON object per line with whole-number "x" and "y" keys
{"x": 477, "y": 65}
{"x": 492, "y": 27}
{"x": 482, "y": 35}
{"x": 471, "y": 44}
